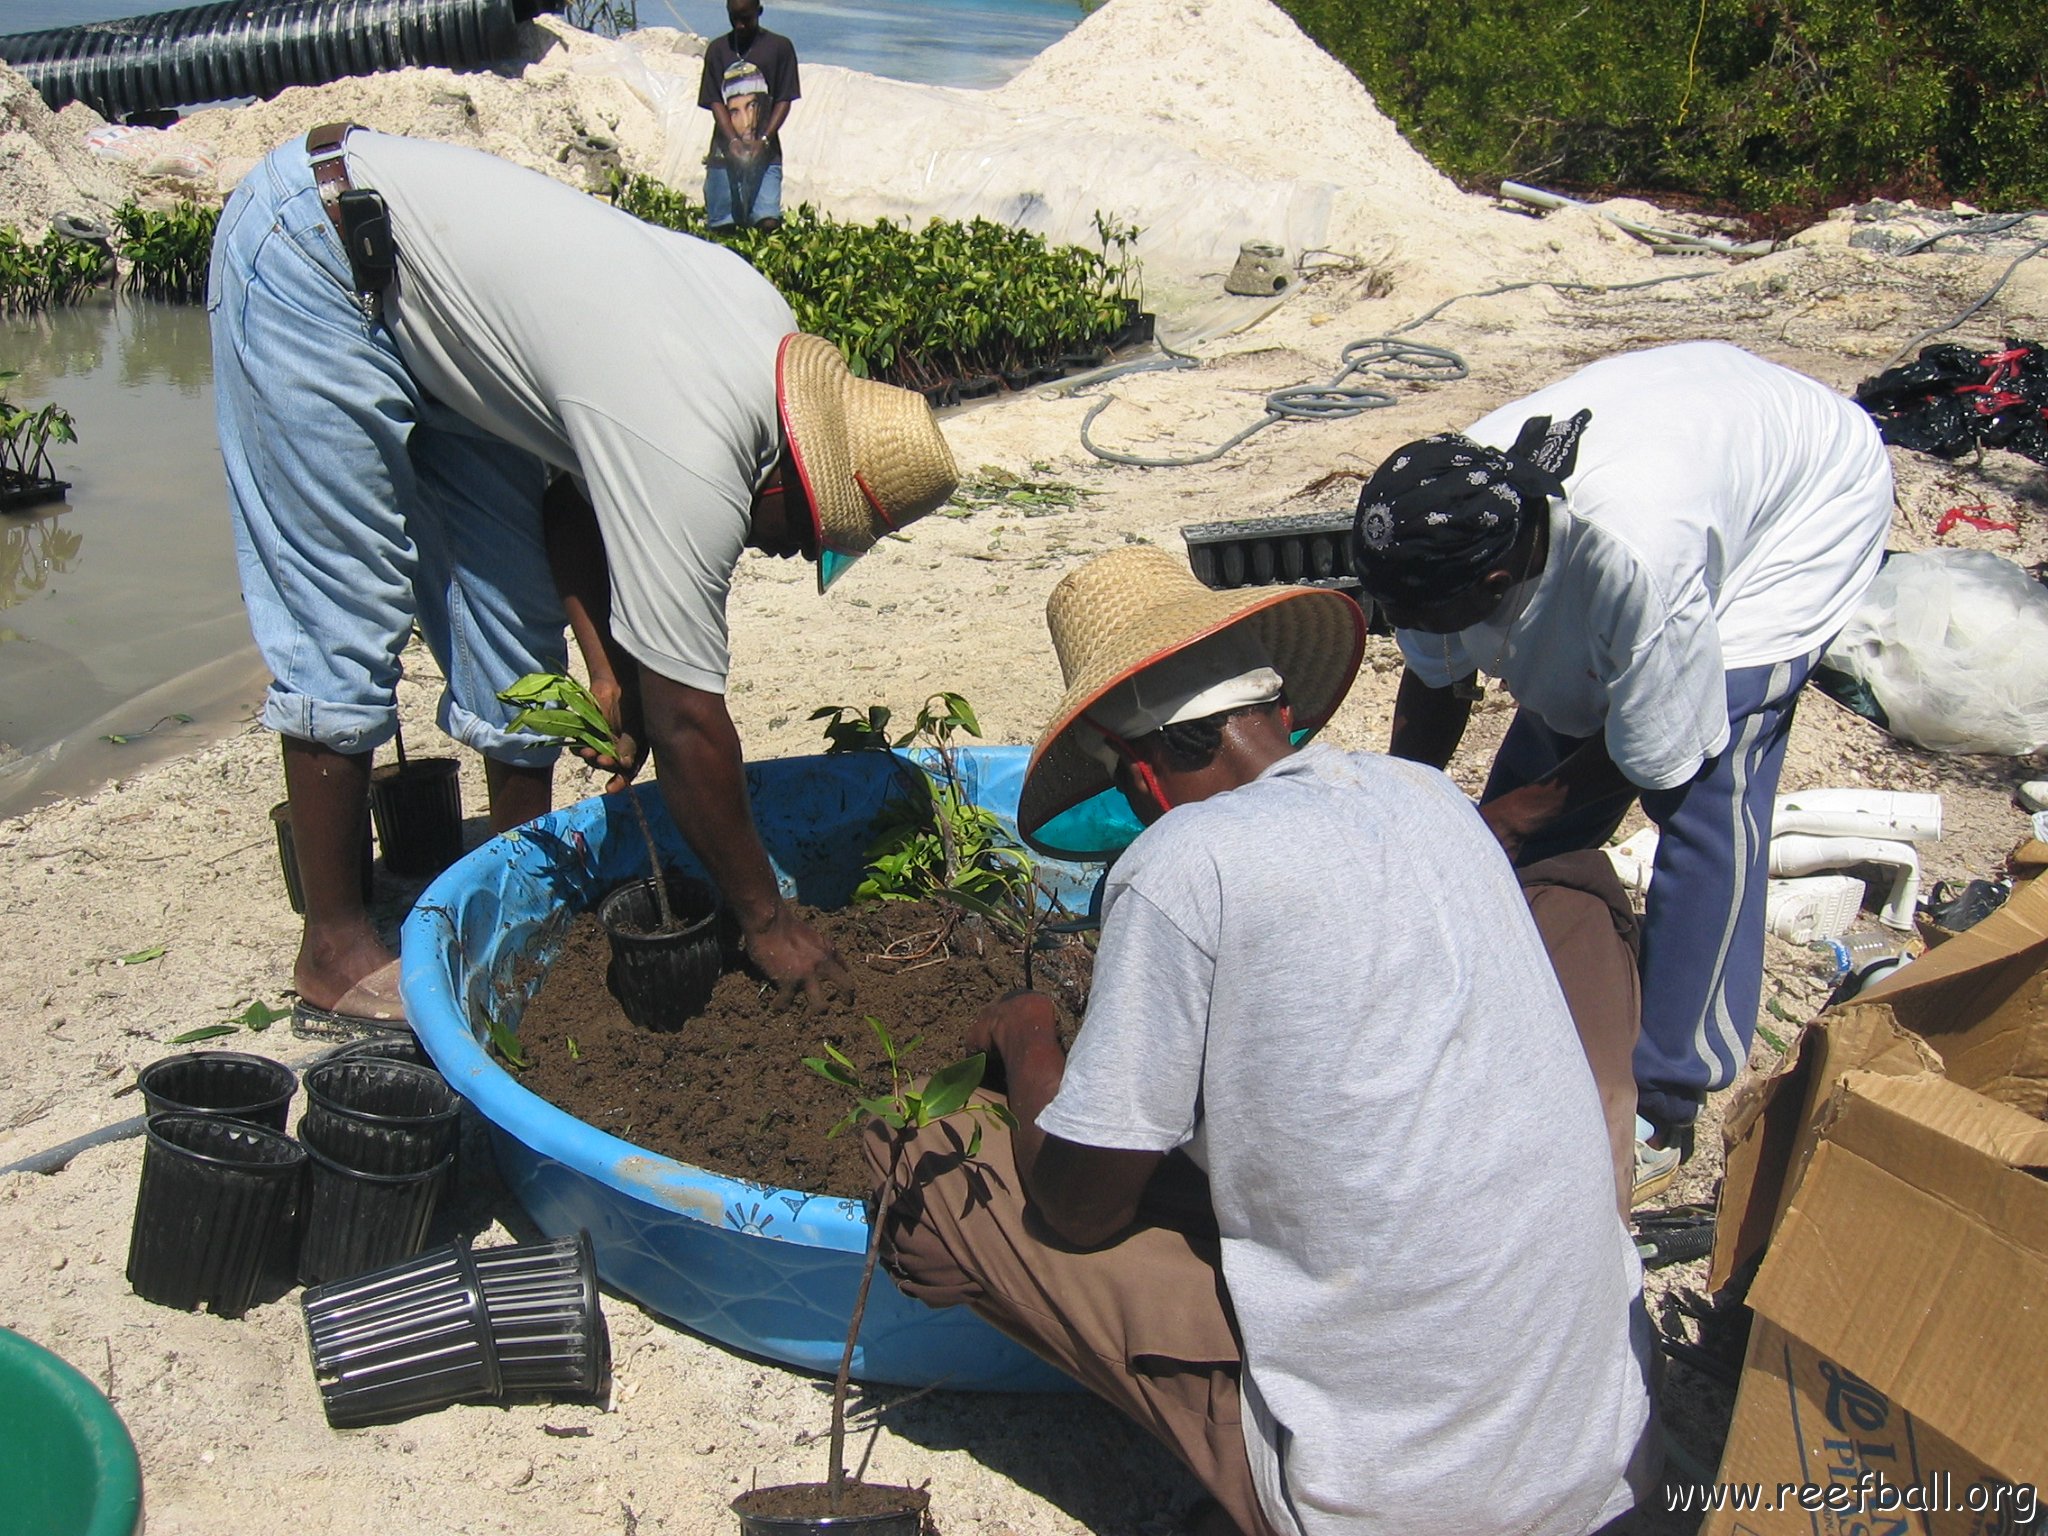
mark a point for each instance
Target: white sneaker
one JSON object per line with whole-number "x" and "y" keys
{"x": 1656, "y": 1167}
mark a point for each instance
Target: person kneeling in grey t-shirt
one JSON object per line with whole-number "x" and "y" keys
{"x": 1404, "y": 1301}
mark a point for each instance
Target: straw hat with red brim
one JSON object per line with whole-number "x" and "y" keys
{"x": 870, "y": 456}
{"x": 1130, "y": 609}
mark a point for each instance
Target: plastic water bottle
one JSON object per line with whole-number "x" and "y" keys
{"x": 1859, "y": 960}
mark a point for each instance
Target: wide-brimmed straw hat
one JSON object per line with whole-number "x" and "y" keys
{"x": 1131, "y": 608}
{"x": 870, "y": 456}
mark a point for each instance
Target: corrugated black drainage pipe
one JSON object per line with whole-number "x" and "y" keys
{"x": 219, "y": 51}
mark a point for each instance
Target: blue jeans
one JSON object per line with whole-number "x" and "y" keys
{"x": 1703, "y": 922}
{"x": 719, "y": 194}
{"x": 360, "y": 505}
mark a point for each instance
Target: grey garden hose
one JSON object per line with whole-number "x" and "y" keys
{"x": 1395, "y": 361}
{"x": 1900, "y": 356}
{"x": 1390, "y": 359}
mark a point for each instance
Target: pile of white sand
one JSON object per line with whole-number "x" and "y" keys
{"x": 1204, "y": 123}
{"x": 45, "y": 168}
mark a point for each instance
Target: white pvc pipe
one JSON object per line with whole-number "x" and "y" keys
{"x": 1895, "y": 815}
{"x": 1803, "y": 854}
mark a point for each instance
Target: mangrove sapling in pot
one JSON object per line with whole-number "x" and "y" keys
{"x": 839, "y": 1503}
{"x": 667, "y": 947}
{"x": 26, "y": 474}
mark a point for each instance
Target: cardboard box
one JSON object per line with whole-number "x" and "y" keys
{"x": 1885, "y": 1190}
{"x": 1974, "y": 1010}
{"x": 1894, "y": 1379}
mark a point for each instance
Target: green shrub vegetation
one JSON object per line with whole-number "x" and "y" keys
{"x": 918, "y": 306}
{"x": 1762, "y": 103}
{"x": 166, "y": 254}
{"x": 50, "y": 271}
{"x": 25, "y": 438}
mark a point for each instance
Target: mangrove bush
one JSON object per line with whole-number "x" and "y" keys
{"x": 1762, "y": 103}
{"x": 53, "y": 270}
{"x": 26, "y": 474}
{"x": 166, "y": 253}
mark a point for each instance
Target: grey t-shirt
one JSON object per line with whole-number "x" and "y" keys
{"x": 640, "y": 359}
{"x": 1327, "y": 986}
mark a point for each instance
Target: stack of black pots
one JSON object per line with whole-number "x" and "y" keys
{"x": 230, "y": 1208}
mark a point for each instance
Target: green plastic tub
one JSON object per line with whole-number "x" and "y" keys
{"x": 67, "y": 1466}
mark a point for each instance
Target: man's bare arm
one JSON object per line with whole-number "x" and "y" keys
{"x": 704, "y": 785}
{"x": 1088, "y": 1195}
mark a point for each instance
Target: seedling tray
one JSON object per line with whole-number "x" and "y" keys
{"x": 1305, "y": 548}
{"x": 18, "y": 491}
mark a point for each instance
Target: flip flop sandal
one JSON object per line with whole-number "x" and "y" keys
{"x": 370, "y": 1009}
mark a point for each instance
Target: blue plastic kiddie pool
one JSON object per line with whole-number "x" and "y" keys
{"x": 770, "y": 1271}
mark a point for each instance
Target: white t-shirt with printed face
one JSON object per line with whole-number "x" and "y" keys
{"x": 1327, "y": 985}
{"x": 1724, "y": 512}
{"x": 640, "y": 359}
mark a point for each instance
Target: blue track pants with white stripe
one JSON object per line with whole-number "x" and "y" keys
{"x": 1703, "y": 923}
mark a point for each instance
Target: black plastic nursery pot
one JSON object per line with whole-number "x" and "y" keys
{"x": 216, "y": 1213}
{"x": 230, "y": 1084}
{"x": 459, "y": 1325}
{"x": 417, "y": 805}
{"x": 403, "y": 1340}
{"x": 1263, "y": 551}
{"x": 374, "y": 1115}
{"x": 19, "y": 492}
{"x": 868, "y": 1509}
{"x": 404, "y": 1047}
{"x": 1140, "y": 325}
{"x": 978, "y": 386}
{"x": 288, "y": 857}
{"x": 663, "y": 980}
{"x": 546, "y": 1324}
{"x": 356, "y": 1222}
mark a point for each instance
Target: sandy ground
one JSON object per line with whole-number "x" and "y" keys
{"x": 181, "y": 856}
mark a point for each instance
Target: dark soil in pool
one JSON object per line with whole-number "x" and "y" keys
{"x": 729, "y": 1091}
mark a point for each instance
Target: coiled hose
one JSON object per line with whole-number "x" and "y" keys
{"x": 1387, "y": 357}
{"x": 256, "y": 48}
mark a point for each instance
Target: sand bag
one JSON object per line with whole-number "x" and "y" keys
{"x": 1953, "y": 645}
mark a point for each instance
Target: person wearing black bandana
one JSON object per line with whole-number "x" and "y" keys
{"x": 1650, "y": 555}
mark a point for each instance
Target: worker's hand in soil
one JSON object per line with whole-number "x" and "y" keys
{"x": 799, "y": 960}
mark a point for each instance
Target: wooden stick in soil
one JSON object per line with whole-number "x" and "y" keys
{"x": 668, "y": 916}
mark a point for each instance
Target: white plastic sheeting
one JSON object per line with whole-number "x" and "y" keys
{"x": 1954, "y": 644}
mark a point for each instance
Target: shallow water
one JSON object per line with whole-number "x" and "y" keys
{"x": 935, "y": 42}
{"x": 119, "y": 607}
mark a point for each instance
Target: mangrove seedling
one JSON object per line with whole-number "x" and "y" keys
{"x": 25, "y": 438}
{"x": 901, "y": 1107}
{"x": 557, "y": 706}
{"x": 943, "y": 846}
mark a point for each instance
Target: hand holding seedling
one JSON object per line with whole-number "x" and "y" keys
{"x": 591, "y": 722}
